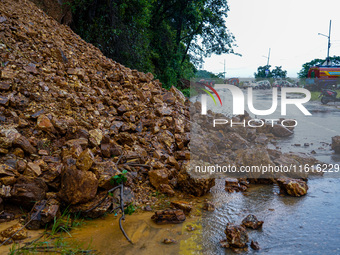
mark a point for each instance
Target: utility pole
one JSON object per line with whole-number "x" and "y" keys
{"x": 329, "y": 41}
{"x": 268, "y": 57}
{"x": 224, "y": 69}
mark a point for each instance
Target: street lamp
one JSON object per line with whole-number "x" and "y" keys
{"x": 329, "y": 40}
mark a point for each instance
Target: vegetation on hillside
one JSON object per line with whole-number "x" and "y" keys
{"x": 166, "y": 37}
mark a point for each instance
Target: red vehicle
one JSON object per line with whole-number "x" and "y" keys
{"x": 321, "y": 77}
{"x": 232, "y": 81}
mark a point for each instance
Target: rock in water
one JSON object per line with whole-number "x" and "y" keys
{"x": 209, "y": 206}
{"x": 336, "y": 144}
{"x": 255, "y": 245}
{"x": 185, "y": 206}
{"x": 237, "y": 237}
{"x": 169, "y": 217}
{"x": 292, "y": 187}
{"x": 252, "y": 222}
{"x": 8, "y": 232}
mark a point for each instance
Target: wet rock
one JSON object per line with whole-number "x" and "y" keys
{"x": 178, "y": 94}
{"x": 3, "y": 151}
{"x": 10, "y": 133}
{"x": 77, "y": 186}
{"x": 233, "y": 184}
{"x": 166, "y": 189}
{"x": 190, "y": 228}
{"x": 208, "y": 206}
{"x": 336, "y": 144}
{"x": 252, "y": 222}
{"x": 4, "y": 86}
{"x": 238, "y": 142}
{"x": 128, "y": 195}
{"x": 6, "y": 170}
{"x": 83, "y": 142}
{"x": 186, "y": 207}
{"x": 158, "y": 177}
{"x": 96, "y": 137}
{"x": 194, "y": 186}
{"x": 281, "y": 131}
{"x": 169, "y": 241}
{"x": 43, "y": 212}
{"x": 8, "y": 232}
{"x": 261, "y": 139}
{"x": 237, "y": 237}
{"x": 5, "y": 142}
{"x": 5, "y": 191}
{"x": 148, "y": 208}
{"x": 91, "y": 210}
{"x": 255, "y": 245}
{"x": 4, "y": 100}
{"x": 44, "y": 123}
{"x": 6, "y": 216}
{"x": 292, "y": 187}
{"x": 24, "y": 144}
{"x": 169, "y": 217}
{"x": 8, "y": 180}
{"x": 85, "y": 160}
{"x": 33, "y": 169}
{"x": 27, "y": 190}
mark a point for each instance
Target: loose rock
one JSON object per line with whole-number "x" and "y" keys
{"x": 169, "y": 217}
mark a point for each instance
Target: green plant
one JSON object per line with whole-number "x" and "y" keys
{"x": 119, "y": 178}
{"x": 130, "y": 209}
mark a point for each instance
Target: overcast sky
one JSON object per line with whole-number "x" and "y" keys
{"x": 290, "y": 28}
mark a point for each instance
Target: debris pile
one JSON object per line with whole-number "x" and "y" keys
{"x": 68, "y": 115}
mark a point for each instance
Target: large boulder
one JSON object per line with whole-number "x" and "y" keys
{"x": 77, "y": 186}
{"x": 292, "y": 187}
{"x": 158, "y": 177}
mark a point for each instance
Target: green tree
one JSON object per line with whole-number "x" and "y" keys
{"x": 265, "y": 72}
{"x": 261, "y": 72}
{"x": 335, "y": 60}
{"x": 205, "y": 74}
{"x": 166, "y": 37}
{"x": 279, "y": 73}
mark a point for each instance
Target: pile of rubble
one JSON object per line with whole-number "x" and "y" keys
{"x": 68, "y": 114}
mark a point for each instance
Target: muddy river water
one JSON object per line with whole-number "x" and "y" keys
{"x": 305, "y": 225}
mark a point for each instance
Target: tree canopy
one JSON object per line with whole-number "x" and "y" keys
{"x": 275, "y": 73}
{"x": 166, "y": 37}
{"x": 335, "y": 60}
